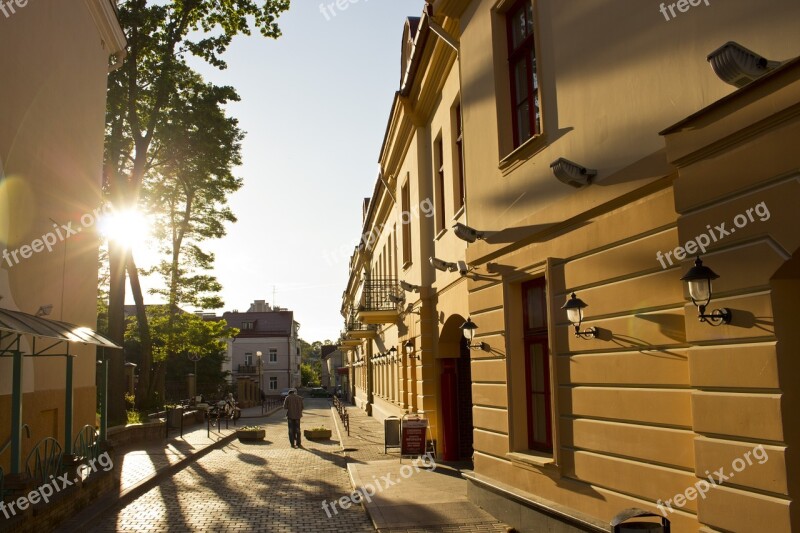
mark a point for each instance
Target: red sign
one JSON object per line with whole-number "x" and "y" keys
{"x": 413, "y": 439}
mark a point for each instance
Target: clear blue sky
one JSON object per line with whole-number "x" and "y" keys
{"x": 314, "y": 105}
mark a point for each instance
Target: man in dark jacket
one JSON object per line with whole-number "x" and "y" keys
{"x": 294, "y": 412}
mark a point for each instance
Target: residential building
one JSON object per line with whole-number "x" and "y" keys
{"x": 334, "y": 369}
{"x": 57, "y": 56}
{"x": 597, "y": 163}
{"x": 272, "y": 332}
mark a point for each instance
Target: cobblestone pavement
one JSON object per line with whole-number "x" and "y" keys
{"x": 267, "y": 486}
{"x": 251, "y": 487}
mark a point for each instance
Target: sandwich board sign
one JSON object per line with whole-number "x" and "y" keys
{"x": 414, "y": 434}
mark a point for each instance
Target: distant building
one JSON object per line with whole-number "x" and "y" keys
{"x": 273, "y": 333}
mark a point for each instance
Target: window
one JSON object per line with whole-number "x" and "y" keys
{"x": 248, "y": 359}
{"x": 273, "y": 383}
{"x": 438, "y": 187}
{"x": 406, "y": 205}
{"x": 459, "y": 195}
{"x": 273, "y": 355}
{"x": 522, "y": 69}
{"x": 247, "y": 326}
{"x": 537, "y": 366}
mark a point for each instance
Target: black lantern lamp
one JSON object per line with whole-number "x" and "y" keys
{"x": 574, "y": 307}
{"x": 699, "y": 280}
{"x": 468, "y": 328}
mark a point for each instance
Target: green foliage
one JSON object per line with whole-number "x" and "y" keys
{"x": 308, "y": 376}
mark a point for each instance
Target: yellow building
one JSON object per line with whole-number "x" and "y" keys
{"x": 55, "y": 62}
{"x": 405, "y": 337}
{"x": 605, "y": 146}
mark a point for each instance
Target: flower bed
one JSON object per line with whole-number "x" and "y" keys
{"x": 248, "y": 433}
{"x": 320, "y": 433}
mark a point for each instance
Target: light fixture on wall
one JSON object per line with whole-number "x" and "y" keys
{"x": 574, "y": 307}
{"x": 736, "y": 65}
{"x": 393, "y": 354}
{"x": 408, "y": 287}
{"x": 571, "y": 173}
{"x": 444, "y": 266}
{"x": 465, "y": 233}
{"x": 408, "y": 348}
{"x": 699, "y": 279}
{"x": 468, "y": 328}
{"x": 44, "y": 310}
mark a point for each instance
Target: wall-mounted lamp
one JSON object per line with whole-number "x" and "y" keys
{"x": 736, "y": 65}
{"x": 408, "y": 348}
{"x": 574, "y": 308}
{"x": 468, "y": 328}
{"x": 44, "y": 310}
{"x": 571, "y": 173}
{"x": 465, "y": 233}
{"x": 699, "y": 280}
{"x": 408, "y": 287}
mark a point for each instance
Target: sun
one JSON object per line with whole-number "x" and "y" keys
{"x": 130, "y": 229}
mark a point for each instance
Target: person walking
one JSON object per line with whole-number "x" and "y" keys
{"x": 294, "y": 412}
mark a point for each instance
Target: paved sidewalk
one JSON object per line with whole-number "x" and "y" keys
{"x": 140, "y": 466}
{"x": 408, "y": 498}
{"x": 242, "y": 486}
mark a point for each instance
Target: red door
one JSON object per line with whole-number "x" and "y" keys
{"x": 449, "y": 391}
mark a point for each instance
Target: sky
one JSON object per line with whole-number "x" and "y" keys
{"x": 314, "y": 105}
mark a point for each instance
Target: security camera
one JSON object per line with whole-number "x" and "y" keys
{"x": 465, "y": 233}
{"x": 396, "y": 299}
{"x": 444, "y": 266}
{"x": 408, "y": 287}
{"x": 571, "y": 173}
{"x": 463, "y": 268}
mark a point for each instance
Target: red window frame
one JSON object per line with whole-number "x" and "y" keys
{"x": 439, "y": 191}
{"x": 537, "y": 336}
{"x": 524, "y": 53}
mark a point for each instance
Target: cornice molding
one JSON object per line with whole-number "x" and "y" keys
{"x": 104, "y": 15}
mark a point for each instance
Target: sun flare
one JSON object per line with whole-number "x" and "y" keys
{"x": 130, "y": 229}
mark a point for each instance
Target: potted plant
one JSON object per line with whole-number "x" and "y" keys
{"x": 251, "y": 433}
{"x": 318, "y": 433}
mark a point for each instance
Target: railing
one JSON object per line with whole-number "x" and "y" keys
{"x": 375, "y": 294}
{"x": 342, "y": 410}
{"x": 246, "y": 369}
{"x": 354, "y": 324}
{"x": 47, "y": 458}
{"x": 87, "y": 445}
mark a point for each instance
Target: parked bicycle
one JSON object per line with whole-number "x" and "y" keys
{"x": 223, "y": 409}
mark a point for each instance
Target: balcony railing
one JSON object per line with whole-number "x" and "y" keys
{"x": 376, "y": 305}
{"x": 247, "y": 369}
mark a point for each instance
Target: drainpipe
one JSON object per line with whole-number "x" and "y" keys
{"x": 450, "y": 41}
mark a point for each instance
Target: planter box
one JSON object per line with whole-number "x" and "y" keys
{"x": 317, "y": 434}
{"x": 251, "y": 434}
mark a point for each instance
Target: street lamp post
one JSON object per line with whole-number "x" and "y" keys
{"x": 260, "y": 382}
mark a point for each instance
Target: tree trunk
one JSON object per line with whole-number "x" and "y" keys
{"x": 116, "y": 332}
{"x": 143, "y": 392}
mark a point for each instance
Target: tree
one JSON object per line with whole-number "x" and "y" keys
{"x": 183, "y": 333}
{"x": 160, "y": 36}
{"x": 308, "y": 376}
{"x": 188, "y": 197}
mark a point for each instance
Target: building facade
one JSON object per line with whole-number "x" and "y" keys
{"x": 601, "y": 164}
{"x": 272, "y": 332}
{"x": 57, "y": 56}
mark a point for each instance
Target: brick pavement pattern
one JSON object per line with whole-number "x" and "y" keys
{"x": 266, "y": 486}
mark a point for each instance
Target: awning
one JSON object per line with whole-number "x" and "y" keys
{"x": 19, "y": 323}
